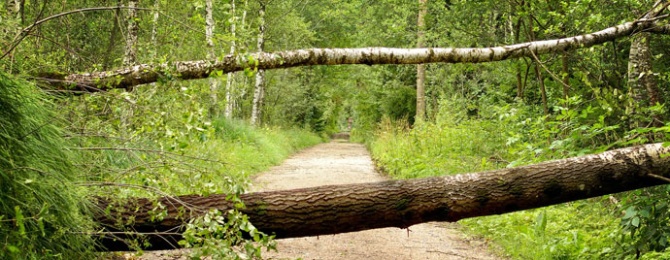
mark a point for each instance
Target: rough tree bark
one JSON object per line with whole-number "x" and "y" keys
{"x": 148, "y": 73}
{"x": 259, "y": 89}
{"x": 403, "y": 203}
{"x": 421, "y": 68}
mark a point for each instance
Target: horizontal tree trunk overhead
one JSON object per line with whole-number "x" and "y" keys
{"x": 403, "y": 203}
{"x": 148, "y": 73}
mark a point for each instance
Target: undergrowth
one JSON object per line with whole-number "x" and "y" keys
{"x": 505, "y": 137}
{"x": 160, "y": 141}
{"x": 42, "y": 213}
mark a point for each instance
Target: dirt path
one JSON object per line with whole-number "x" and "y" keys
{"x": 340, "y": 163}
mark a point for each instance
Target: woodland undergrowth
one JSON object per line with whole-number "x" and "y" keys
{"x": 511, "y": 135}
{"x": 126, "y": 144}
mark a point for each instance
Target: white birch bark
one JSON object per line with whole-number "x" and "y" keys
{"x": 130, "y": 57}
{"x": 154, "y": 28}
{"x": 421, "y": 68}
{"x": 211, "y": 55}
{"x": 260, "y": 75}
{"x": 147, "y": 73}
{"x": 230, "y": 77}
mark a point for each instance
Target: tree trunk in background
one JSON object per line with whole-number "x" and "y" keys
{"x": 107, "y": 60}
{"x": 228, "y": 112}
{"x": 565, "y": 74}
{"x": 537, "y": 64}
{"x": 15, "y": 9}
{"x": 130, "y": 56}
{"x": 211, "y": 55}
{"x": 642, "y": 85}
{"x": 259, "y": 89}
{"x": 337, "y": 209}
{"x": 148, "y": 73}
{"x": 421, "y": 68}
{"x": 154, "y": 28}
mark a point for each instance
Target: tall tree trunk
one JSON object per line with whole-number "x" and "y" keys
{"x": 537, "y": 65}
{"x": 130, "y": 57}
{"x": 565, "y": 74}
{"x": 421, "y": 68}
{"x": 402, "y": 203}
{"x": 148, "y": 73}
{"x": 260, "y": 75}
{"x": 154, "y": 28}
{"x": 642, "y": 84}
{"x": 211, "y": 55}
{"x": 106, "y": 63}
{"x": 228, "y": 113}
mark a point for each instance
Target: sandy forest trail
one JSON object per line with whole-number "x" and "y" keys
{"x": 340, "y": 162}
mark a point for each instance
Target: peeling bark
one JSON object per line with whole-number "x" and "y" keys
{"x": 148, "y": 73}
{"x": 402, "y": 203}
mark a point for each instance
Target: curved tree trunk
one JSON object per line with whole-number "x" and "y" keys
{"x": 403, "y": 203}
{"x": 148, "y": 73}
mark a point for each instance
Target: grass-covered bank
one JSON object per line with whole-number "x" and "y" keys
{"x": 589, "y": 229}
{"x": 53, "y": 162}
{"x": 43, "y": 214}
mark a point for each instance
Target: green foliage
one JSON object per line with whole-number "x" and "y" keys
{"x": 579, "y": 230}
{"x": 221, "y": 237}
{"x": 643, "y": 221}
{"x": 42, "y": 214}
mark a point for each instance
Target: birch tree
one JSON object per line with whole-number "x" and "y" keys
{"x": 229, "y": 78}
{"x": 130, "y": 56}
{"x": 211, "y": 55}
{"x": 642, "y": 84}
{"x": 259, "y": 90}
{"x": 147, "y": 73}
{"x": 420, "y": 68}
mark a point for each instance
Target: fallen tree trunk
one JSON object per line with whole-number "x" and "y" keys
{"x": 402, "y": 203}
{"x": 149, "y": 73}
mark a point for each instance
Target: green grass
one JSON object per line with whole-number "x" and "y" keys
{"x": 42, "y": 213}
{"x": 220, "y": 159}
{"x": 580, "y": 230}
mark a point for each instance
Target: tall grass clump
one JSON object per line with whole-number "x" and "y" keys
{"x": 42, "y": 214}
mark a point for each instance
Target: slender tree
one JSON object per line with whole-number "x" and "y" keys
{"x": 130, "y": 56}
{"x": 259, "y": 89}
{"x": 230, "y": 76}
{"x": 211, "y": 55}
{"x": 421, "y": 68}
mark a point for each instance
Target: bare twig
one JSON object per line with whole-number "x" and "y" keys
{"x": 25, "y": 32}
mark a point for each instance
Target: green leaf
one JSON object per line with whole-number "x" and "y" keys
{"x": 635, "y": 222}
{"x": 630, "y": 212}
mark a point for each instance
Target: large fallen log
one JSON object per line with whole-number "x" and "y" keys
{"x": 403, "y": 203}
